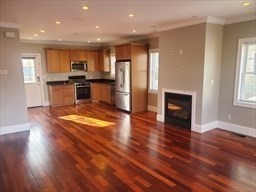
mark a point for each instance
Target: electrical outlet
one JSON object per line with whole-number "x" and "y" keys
{"x": 229, "y": 117}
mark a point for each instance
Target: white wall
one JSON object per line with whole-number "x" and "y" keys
{"x": 13, "y": 109}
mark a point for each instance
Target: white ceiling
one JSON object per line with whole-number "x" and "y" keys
{"x": 78, "y": 26}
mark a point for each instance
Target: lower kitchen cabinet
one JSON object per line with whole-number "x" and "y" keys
{"x": 103, "y": 92}
{"x": 60, "y": 95}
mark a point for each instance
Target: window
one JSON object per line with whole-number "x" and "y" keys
{"x": 153, "y": 70}
{"x": 29, "y": 73}
{"x": 245, "y": 86}
{"x": 112, "y": 64}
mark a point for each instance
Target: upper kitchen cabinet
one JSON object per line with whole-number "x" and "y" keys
{"x": 104, "y": 60}
{"x": 57, "y": 60}
{"x": 52, "y": 60}
{"x": 123, "y": 52}
{"x": 92, "y": 61}
{"x": 78, "y": 55}
{"x": 64, "y": 61}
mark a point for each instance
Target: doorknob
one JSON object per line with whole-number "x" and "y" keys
{"x": 38, "y": 79}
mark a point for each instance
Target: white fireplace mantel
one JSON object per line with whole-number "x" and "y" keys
{"x": 160, "y": 117}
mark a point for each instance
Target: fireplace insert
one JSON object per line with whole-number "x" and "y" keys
{"x": 178, "y": 109}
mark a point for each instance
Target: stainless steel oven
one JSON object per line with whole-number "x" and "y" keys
{"x": 82, "y": 92}
{"x": 82, "y": 88}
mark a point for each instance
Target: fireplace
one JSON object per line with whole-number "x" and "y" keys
{"x": 178, "y": 109}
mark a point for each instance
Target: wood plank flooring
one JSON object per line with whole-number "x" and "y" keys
{"x": 135, "y": 153}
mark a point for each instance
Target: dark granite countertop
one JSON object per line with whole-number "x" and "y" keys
{"x": 66, "y": 82}
{"x": 105, "y": 81}
{"x": 52, "y": 83}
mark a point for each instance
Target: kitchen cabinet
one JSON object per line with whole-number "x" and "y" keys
{"x": 123, "y": 52}
{"x": 103, "y": 92}
{"x": 60, "y": 95}
{"x": 92, "y": 61}
{"x": 57, "y": 60}
{"x": 64, "y": 59}
{"x": 78, "y": 55}
{"x": 52, "y": 60}
{"x": 137, "y": 54}
{"x": 104, "y": 60}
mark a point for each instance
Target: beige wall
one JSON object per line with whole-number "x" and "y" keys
{"x": 13, "y": 109}
{"x": 240, "y": 115}
{"x": 39, "y": 48}
{"x": 182, "y": 72}
{"x": 212, "y": 65}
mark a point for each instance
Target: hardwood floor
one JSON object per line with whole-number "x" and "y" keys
{"x": 134, "y": 153}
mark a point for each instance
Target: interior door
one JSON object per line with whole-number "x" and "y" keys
{"x": 32, "y": 80}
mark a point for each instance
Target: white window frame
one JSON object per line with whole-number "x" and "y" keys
{"x": 111, "y": 69}
{"x": 149, "y": 76}
{"x": 239, "y": 71}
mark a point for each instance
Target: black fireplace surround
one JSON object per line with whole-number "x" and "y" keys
{"x": 178, "y": 109}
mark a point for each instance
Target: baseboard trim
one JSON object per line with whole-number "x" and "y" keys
{"x": 160, "y": 118}
{"x": 248, "y": 131}
{"x": 152, "y": 108}
{"x": 14, "y": 128}
{"x": 46, "y": 103}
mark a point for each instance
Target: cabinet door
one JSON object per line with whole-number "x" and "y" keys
{"x": 68, "y": 94}
{"x": 106, "y": 93}
{"x": 64, "y": 61}
{"x": 92, "y": 60}
{"x": 57, "y": 95}
{"x": 123, "y": 52}
{"x": 82, "y": 55}
{"x": 52, "y": 60}
{"x": 95, "y": 91}
{"x": 104, "y": 60}
{"x": 74, "y": 55}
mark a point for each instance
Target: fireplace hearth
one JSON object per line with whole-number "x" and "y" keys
{"x": 178, "y": 109}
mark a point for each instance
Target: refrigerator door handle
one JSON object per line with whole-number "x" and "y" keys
{"x": 123, "y": 77}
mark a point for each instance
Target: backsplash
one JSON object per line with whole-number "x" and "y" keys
{"x": 64, "y": 76}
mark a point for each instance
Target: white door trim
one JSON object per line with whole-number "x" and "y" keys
{"x": 38, "y": 55}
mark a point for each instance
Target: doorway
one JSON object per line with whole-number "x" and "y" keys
{"x": 32, "y": 79}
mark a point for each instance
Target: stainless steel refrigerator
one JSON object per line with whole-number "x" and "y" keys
{"x": 122, "y": 84}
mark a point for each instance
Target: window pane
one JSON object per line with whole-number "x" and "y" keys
{"x": 29, "y": 70}
{"x": 248, "y": 74}
{"x": 112, "y": 65}
{"x": 154, "y": 65}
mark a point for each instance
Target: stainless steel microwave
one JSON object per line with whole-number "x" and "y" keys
{"x": 79, "y": 66}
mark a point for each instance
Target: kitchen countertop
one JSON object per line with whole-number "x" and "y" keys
{"x": 66, "y": 82}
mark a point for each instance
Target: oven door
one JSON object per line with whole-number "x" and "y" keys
{"x": 82, "y": 93}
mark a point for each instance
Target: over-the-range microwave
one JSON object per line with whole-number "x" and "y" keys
{"x": 79, "y": 66}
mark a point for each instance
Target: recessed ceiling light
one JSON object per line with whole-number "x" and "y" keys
{"x": 134, "y": 31}
{"x": 30, "y": 37}
{"x": 246, "y": 3}
{"x": 88, "y": 41}
{"x": 59, "y": 40}
{"x": 97, "y": 27}
{"x": 131, "y": 15}
{"x": 42, "y": 31}
{"x": 98, "y": 39}
{"x": 58, "y": 22}
{"x": 35, "y": 34}
{"x": 85, "y": 8}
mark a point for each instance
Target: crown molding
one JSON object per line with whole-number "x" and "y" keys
{"x": 185, "y": 23}
{"x": 60, "y": 43}
{"x": 241, "y": 19}
{"x": 10, "y": 25}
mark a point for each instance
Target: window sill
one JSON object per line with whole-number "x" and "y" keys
{"x": 245, "y": 104}
{"x": 153, "y": 92}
